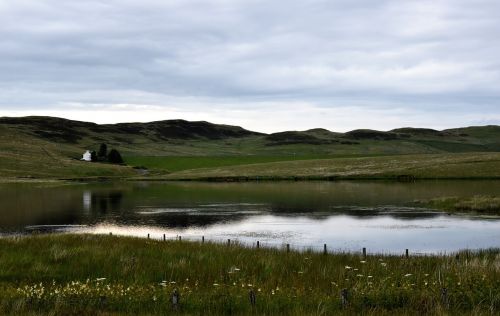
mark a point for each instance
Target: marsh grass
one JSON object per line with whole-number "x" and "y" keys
{"x": 477, "y": 204}
{"x": 88, "y": 274}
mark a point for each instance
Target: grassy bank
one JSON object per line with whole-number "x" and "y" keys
{"x": 478, "y": 204}
{"x": 428, "y": 166}
{"x": 83, "y": 274}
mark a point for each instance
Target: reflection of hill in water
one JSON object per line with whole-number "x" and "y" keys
{"x": 188, "y": 220}
{"x": 205, "y": 204}
{"x": 203, "y": 216}
{"x": 354, "y": 211}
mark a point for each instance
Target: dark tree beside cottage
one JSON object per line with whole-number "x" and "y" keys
{"x": 114, "y": 156}
{"x": 103, "y": 152}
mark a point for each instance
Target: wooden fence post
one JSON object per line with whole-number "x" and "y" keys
{"x": 251, "y": 296}
{"x": 344, "y": 298}
{"x": 148, "y": 236}
{"x": 175, "y": 299}
{"x": 324, "y": 249}
{"x": 287, "y": 247}
{"x": 164, "y": 237}
{"x": 229, "y": 242}
{"x": 202, "y": 239}
{"x": 444, "y": 298}
{"x": 258, "y": 244}
{"x": 364, "y": 253}
{"x": 407, "y": 254}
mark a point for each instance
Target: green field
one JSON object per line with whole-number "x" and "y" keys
{"x": 406, "y": 167}
{"x": 89, "y": 275}
{"x": 179, "y": 163}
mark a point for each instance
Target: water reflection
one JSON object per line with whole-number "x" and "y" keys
{"x": 344, "y": 214}
{"x": 87, "y": 201}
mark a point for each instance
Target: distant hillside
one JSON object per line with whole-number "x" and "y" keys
{"x": 178, "y": 133}
{"x": 59, "y": 143}
{"x": 63, "y": 130}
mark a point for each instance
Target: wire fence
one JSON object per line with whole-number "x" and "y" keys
{"x": 278, "y": 245}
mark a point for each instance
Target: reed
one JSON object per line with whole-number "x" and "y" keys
{"x": 90, "y": 274}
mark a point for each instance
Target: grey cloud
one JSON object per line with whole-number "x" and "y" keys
{"x": 236, "y": 53}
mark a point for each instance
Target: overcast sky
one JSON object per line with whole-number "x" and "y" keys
{"x": 265, "y": 65}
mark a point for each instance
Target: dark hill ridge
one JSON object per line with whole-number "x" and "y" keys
{"x": 288, "y": 138}
{"x": 63, "y": 130}
{"x": 411, "y": 131}
{"x": 181, "y": 129}
{"x": 51, "y": 128}
{"x": 370, "y": 134}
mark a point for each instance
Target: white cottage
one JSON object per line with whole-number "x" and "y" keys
{"x": 87, "y": 156}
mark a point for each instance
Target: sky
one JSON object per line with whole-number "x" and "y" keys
{"x": 265, "y": 65}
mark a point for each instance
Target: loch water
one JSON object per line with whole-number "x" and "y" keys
{"x": 347, "y": 216}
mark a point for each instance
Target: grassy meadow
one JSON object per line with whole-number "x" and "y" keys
{"x": 173, "y": 163}
{"x": 423, "y": 166}
{"x": 108, "y": 275}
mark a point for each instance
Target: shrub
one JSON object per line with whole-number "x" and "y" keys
{"x": 114, "y": 156}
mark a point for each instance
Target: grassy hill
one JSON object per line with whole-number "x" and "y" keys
{"x": 48, "y": 147}
{"x": 403, "y": 167}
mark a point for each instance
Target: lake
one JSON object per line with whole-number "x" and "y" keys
{"x": 346, "y": 216}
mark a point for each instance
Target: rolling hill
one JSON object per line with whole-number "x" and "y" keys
{"x": 49, "y": 147}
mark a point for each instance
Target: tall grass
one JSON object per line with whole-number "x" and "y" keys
{"x": 478, "y": 204}
{"x": 87, "y": 274}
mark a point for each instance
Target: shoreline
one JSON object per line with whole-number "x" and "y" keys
{"x": 236, "y": 179}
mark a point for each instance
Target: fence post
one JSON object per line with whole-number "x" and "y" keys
{"x": 180, "y": 238}
{"x": 164, "y": 237}
{"x": 287, "y": 247}
{"x": 251, "y": 296}
{"x": 110, "y": 233}
{"x": 324, "y": 249}
{"x": 407, "y": 253}
{"x": 344, "y": 297}
{"x": 202, "y": 239}
{"x": 444, "y": 298}
{"x": 229, "y": 242}
{"x": 175, "y": 299}
{"x": 364, "y": 253}
{"x": 148, "y": 236}
{"x": 258, "y": 244}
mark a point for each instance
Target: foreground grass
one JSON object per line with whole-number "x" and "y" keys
{"x": 87, "y": 274}
{"x": 427, "y": 166}
{"x": 478, "y": 204}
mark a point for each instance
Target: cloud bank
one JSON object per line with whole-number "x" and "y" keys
{"x": 266, "y": 65}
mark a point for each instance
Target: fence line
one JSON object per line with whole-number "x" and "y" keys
{"x": 268, "y": 245}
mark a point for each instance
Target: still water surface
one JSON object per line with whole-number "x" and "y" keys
{"x": 345, "y": 215}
